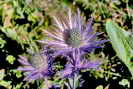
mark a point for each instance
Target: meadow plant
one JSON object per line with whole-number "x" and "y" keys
{"x": 76, "y": 63}
{"x": 72, "y": 39}
{"x": 71, "y": 33}
{"x": 69, "y": 59}
{"x": 39, "y": 66}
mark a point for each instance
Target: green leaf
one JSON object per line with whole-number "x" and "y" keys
{"x": 18, "y": 86}
{"x": 2, "y": 43}
{"x": 115, "y": 33}
{"x": 130, "y": 42}
{"x": 125, "y": 82}
{"x": 120, "y": 43}
{"x": 17, "y": 73}
{"x": 6, "y": 84}
{"x": 10, "y": 32}
{"x": 99, "y": 87}
{"x": 73, "y": 82}
{"x": 10, "y": 59}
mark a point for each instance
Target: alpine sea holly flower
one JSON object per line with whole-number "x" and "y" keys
{"x": 39, "y": 66}
{"x": 70, "y": 32}
{"x": 77, "y": 63}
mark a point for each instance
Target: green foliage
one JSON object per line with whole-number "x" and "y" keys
{"x": 26, "y": 31}
{"x": 2, "y": 42}
{"x": 73, "y": 83}
{"x": 125, "y": 83}
{"x": 6, "y": 84}
{"x": 17, "y": 73}
{"x": 100, "y": 10}
{"x": 107, "y": 68}
{"x": 10, "y": 59}
{"x": 101, "y": 87}
{"x": 119, "y": 40}
{"x": 18, "y": 86}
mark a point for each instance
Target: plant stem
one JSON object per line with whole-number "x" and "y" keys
{"x": 69, "y": 84}
{"x": 73, "y": 82}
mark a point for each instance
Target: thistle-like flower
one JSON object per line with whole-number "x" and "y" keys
{"x": 71, "y": 33}
{"x": 39, "y": 66}
{"x": 77, "y": 63}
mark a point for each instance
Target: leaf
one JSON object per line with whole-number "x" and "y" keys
{"x": 2, "y": 43}
{"x": 125, "y": 82}
{"x": 120, "y": 43}
{"x": 99, "y": 87}
{"x": 114, "y": 33}
{"x": 10, "y": 32}
{"x": 130, "y": 42}
{"x": 46, "y": 84}
{"x": 74, "y": 82}
{"x": 6, "y": 84}
{"x": 10, "y": 59}
{"x": 18, "y": 86}
{"x": 17, "y": 73}
{"x": 107, "y": 87}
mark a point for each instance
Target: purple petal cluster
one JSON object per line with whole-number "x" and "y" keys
{"x": 71, "y": 33}
{"x": 77, "y": 63}
{"x": 39, "y": 66}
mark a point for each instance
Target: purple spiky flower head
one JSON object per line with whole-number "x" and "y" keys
{"x": 71, "y": 33}
{"x": 77, "y": 63}
{"x": 39, "y": 66}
